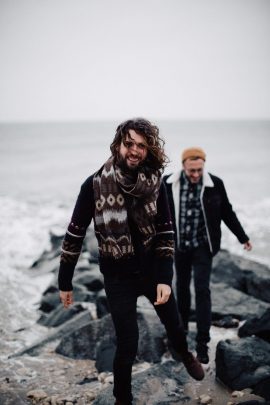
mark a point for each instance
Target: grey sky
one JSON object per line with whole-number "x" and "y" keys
{"x": 103, "y": 59}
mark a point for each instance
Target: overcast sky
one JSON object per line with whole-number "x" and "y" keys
{"x": 164, "y": 59}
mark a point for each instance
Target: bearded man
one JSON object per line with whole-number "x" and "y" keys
{"x": 198, "y": 203}
{"x": 127, "y": 201}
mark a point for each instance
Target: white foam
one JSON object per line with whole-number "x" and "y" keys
{"x": 255, "y": 220}
{"x": 24, "y": 229}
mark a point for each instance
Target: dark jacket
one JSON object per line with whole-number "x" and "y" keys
{"x": 158, "y": 260}
{"x": 216, "y": 207}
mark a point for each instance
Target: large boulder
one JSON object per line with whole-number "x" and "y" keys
{"x": 60, "y": 315}
{"x": 243, "y": 363}
{"x": 84, "y": 342}
{"x": 229, "y": 301}
{"x": 151, "y": 336}
{"x": 105, "y": 351}
{"x": 259, "y": 326}
{"x": 245, "y": 275}
{"x": 73, "y": 324}
{"x": 81, "y": 343}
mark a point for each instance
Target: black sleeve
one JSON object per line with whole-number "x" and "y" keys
{"x": 72, "y": 244}
{"x": 229, "y": 217}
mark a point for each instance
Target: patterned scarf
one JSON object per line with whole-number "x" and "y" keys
{"x": 112, "y": 187}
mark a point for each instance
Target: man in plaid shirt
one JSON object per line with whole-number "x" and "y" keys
{"x": 198, "y": 203}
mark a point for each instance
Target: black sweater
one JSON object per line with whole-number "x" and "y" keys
{"x": 158, "y": 262}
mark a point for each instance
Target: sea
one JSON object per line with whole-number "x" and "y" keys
{"x": 42, "y": 166}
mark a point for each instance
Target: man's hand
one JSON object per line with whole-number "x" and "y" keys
{"x": 66, "y": 298}
{"x": 163, "y": 294}
{"x": 248, "y": 246}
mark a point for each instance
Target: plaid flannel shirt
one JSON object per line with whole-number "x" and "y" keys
{"x": 191, "y": 222}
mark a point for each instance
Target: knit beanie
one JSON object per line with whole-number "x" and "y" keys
{"x": 193, "y": 153}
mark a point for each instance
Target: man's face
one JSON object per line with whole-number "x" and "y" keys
{"x": 193, "y": 169}
{"x": 133, "y": 150}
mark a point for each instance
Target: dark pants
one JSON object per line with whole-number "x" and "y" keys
{"x": 200, "y": 260}
{"x": 122, "y": 294}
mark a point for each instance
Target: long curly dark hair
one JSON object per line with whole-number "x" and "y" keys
{"x": 156, "y": 158}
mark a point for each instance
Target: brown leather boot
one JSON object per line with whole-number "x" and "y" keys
{"x": 193, "y": 366}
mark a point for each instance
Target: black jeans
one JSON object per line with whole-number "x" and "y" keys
{"x": 122, "y": 293}
{"x": 200, "y": 260}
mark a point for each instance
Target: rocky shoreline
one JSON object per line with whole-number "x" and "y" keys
{"x": 71, "y": 360}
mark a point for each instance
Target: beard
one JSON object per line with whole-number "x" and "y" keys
{"x": 122, "y": 164}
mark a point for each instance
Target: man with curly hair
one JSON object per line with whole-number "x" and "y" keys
{"x": 128, "y": 203}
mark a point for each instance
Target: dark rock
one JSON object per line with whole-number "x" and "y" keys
{"x": 78, "y": 321}
{"x": 105, "y": 352}
{"x": 151, "y": 336}
{"x": 46, "y": 264}
{"x": 61, "y": 315}
{"x": 245, "y": 275}
{"x": 43, "y": 318}
{"x": 51, "y": 289}
{"x": 81, "y": 294}
{"x": 226, "y": 322}
{"x": 87, "y": 380}
{"x": 159, "y": 385}
{"x": 243, "y": 363}
{"x": 82, "y": 266}
{"x": 229, "y": 301}
{"x": 82, "y": 344}
{"x": 92, "y": 280}
{"x": 259, "y": 326}
{"x": 51, "y": 300}
{"x": 102, "y": 304}
{"x": 225, "y": 270}
{"x": 56, "y": 240}
{"x": 263, "y": 389}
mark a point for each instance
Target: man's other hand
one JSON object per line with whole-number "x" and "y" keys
{"x": 163, "y": 294}
{"x": 66, "y": 298}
